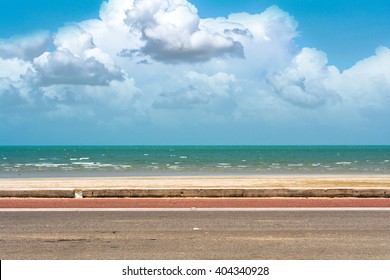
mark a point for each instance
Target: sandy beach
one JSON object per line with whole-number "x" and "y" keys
{"x": 222, "y": 182}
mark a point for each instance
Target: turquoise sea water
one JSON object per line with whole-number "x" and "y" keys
{"x": 69, "y": 161}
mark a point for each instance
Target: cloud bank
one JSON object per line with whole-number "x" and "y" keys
{"x": 151, "y": 61}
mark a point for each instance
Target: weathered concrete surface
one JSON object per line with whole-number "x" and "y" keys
{"x": 203, "y": 186}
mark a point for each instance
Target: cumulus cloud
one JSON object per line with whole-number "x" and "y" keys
{"x": 310, "y": 82}
{"x": 75, "y": 76}
{"x": 304, "y": 82}
{"x": 63, "y": 67}
{"x": 118, "y": 94}
{"x": 76, "y": 60}
{"x": 171, "y": 32}
{"x": 13, "y": 68}
{"x": 267, "y": 37}
{"x": 74, "y": 39}
{"x": 273, "y": 24}
{"x": 25, "y": 47}
{"x": 71, "y": 101}
{"x": 367, "y": 83}
{"x": 220, "y": 84}
{"x": 114, "y": 12}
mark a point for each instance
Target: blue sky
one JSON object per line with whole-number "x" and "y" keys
{"x": 197, "y": 72}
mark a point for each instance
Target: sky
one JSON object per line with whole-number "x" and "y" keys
{"x": 177, "y": 72}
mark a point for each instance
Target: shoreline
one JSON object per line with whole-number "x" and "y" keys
{"x": 223, "y": 181}
{"x": 204, "y": 186}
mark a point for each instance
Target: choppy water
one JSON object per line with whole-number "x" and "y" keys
{"x": 71, "y": 161}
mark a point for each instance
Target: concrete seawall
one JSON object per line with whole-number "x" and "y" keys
{"x": 204, "y": 186}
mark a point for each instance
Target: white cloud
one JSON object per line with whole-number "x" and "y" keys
{"x": 367, "y": 83}
{"x": 13, "y": 68}
{"x": 73, "y": 39}
{"x": 310, "y": 82}
{"x": 113, "y": 12}
{"x": 63, "y": 67}
{"x": 267, "y": 37}
{"x": 76, "y": 76}
{"x": 273, "y": 24}
{"x": 171, "y": 32}
{"x": 354, "y": 103}
{"x": 112, "y": 25}
{"x": 76, "y": 60}
{"x": 304, "y": 82}
{"x": 219, "y": 84}
{"x": 26, "y": 47}
{"x": 117, "y": 95}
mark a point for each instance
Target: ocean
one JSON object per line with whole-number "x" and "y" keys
{"x": 100, "y": 161}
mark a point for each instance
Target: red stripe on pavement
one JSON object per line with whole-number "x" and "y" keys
{"x": 193, "y": 202}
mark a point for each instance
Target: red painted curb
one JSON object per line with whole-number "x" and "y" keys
{"x": 193, "y": 202}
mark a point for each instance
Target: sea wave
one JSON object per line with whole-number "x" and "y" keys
{"x": 75, "y": 161}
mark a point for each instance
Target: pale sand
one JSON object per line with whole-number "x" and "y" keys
{"x": 222, "y": 182}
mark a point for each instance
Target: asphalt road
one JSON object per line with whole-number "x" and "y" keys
{"x": 286, "y": 234}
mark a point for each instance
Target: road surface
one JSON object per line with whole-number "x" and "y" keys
{"x": 195, "y": 234}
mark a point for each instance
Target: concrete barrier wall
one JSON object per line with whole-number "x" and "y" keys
{"x": 237, "y": 193}
{"x": 199, "y": 192}
{"x": 38, "y": 193}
